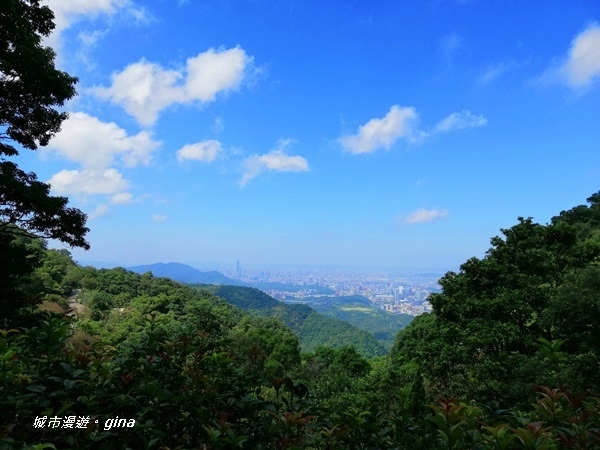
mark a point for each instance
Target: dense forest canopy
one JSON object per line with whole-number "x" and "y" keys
{"x": 313, "y": 329}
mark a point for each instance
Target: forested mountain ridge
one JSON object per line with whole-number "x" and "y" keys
{"x": 362, "y": 313}
{"x": 313, "y": 329}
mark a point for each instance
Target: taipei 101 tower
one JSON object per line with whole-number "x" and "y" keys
{"x": 238, "y": 270}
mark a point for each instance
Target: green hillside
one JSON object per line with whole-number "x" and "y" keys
{"x": 313, "y": 329}
{"x": 362, "y": 313}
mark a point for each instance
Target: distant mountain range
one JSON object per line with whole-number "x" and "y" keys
{"x": 186, "y": 274}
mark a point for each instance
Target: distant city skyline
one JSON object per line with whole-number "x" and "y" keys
{"x": 387, "y": 134}
{"x": 231, "y": 267}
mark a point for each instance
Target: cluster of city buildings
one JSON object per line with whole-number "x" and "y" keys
{"x": 399, "y": 293}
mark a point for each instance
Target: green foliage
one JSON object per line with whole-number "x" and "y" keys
{"x": 360, "y": 312}
{"x": 31, "y": 86}
{"x": 266, "y": 347}
{"x": 21, "y": 255}
{"x": 573, "y": 313}
{"x": 313, "y": 329}
{"x": 482, "y": 340}
{"x": 288, "y": 287}
{"x": 193, "y": 371}
{"x": 31, "y": 89}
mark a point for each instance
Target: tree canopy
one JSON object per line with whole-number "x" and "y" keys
{"x": 32, "y": 90}
{"x": 537, "y": 282}
{"x": 30, "y": 85}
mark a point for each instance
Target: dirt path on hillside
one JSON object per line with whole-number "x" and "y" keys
{"x": 75, "y": 307}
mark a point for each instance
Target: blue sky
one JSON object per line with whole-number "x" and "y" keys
{"x": 400, "y": 134}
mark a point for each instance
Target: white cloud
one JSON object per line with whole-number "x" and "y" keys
{"x": 425, "y": 215}
{"x": 276, "y": 161}
{"x": 144, "y": 89}
{"x": 460, "y": 121}
{"x": 95, "y": 144}
{"x": 121, "y": 198}
{"x": 90, "y": 38}
{"x": 582, "y": 65}
{"x": 398, "y": 123}
{"x": 159, "y": 218}
{"x": 205, "y": 151}
{"x": 214, "y": 71}
{"x": 494, "y": 72}
{"x": 401, "y": 123}
{"x": 67, "y": 12}
{"x": 88, "y": 182}
{"x": 99, "y": 211}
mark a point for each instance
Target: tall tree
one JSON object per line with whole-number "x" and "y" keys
{"x": 31, "y": 91}
{"x": 482, "y": 339}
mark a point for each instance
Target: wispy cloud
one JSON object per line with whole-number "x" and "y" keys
{"x": 100, "y": 211}
{"x": 68, "y": 12}
{"x": 122, "y": 198}
{"x": 425, "y": 215}
{"x": 218, "y": 125}
{"x": 460, "y": 121}
{"x": 399, "y": 122}
{"x": 206, "y": 151}
{"x": 144, "y": 89}
{"x": 582, "y": 66}
{"x": 450, "y": 46}
{"x": 159, "y": 218}
{"x": 493, "y": 72}
{"x": 277, "y": 160}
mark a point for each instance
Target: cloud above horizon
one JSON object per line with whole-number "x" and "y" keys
{"x": 68, "y": 12}
{"x": 87, "y": 140}
{"x": 460, "y": 121}
{"x": 582, "y": 65}
{"x": 98, "y": 146}
{"x": 277, "y": 160}
{"x": 206, "y": 151}
{"x": 88, "y": 182}
{"x": 423, "y": 215}
{"x": 494, "y": 72}
{"x": 144, "y": 89}
{"x": 401, "y": 123}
